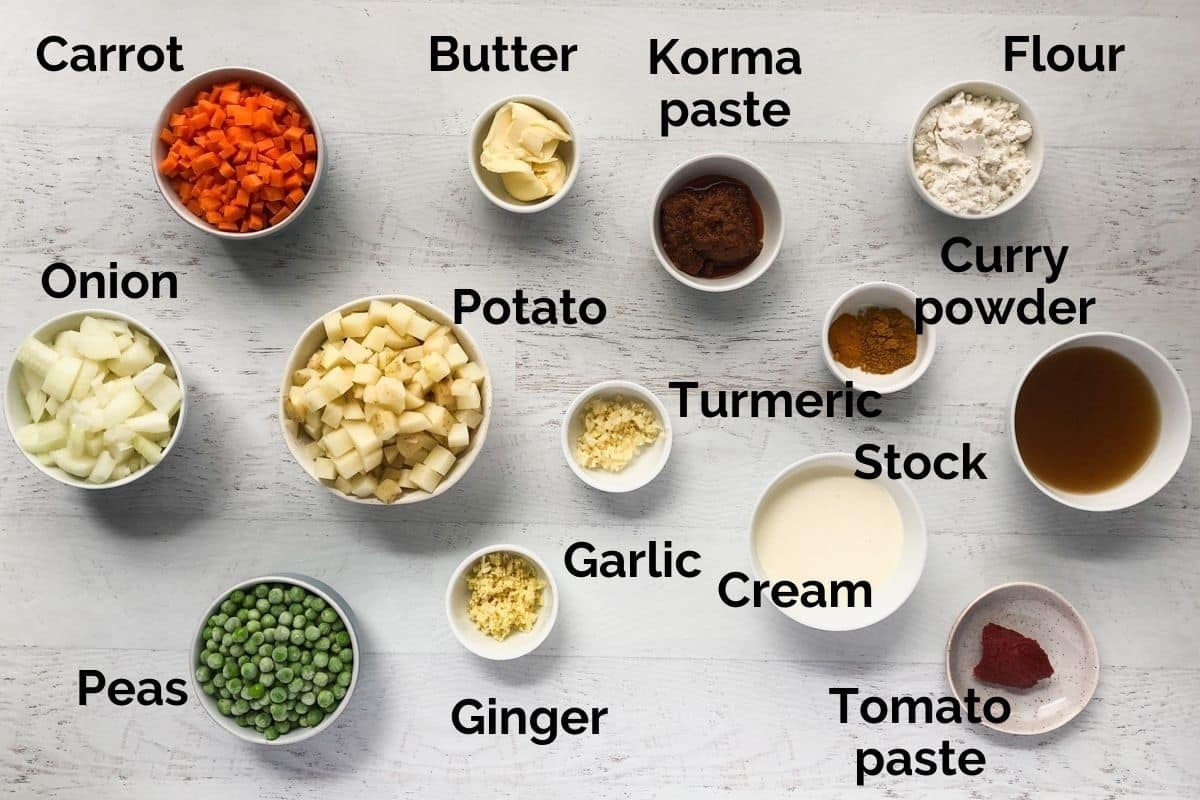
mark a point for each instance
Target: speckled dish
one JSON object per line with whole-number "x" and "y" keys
{"x": 1042, "y": 614}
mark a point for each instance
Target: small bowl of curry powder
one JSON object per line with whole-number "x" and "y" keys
{"x": 870, "y": 338}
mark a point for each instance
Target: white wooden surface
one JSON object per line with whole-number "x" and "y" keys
{"x": 705, "y": 701}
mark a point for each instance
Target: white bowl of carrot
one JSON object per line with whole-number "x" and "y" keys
{"x": 237, "y": 153}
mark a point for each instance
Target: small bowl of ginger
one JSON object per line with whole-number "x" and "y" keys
{"x": 869, "y": 337}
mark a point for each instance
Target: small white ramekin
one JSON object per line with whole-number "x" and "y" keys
{"x": 763, "y": 189}
{"x": 646, "y": 464}
{"x": 885, "y": 295}
{"x": 458, "y": 595}
{"x": 490, "y": 183}
{"x": 1035, "y": 148}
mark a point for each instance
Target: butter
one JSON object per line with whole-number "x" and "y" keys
{"x": 521, "y": 147}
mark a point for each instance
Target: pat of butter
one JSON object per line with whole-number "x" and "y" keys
{"x": 521, "y": 147}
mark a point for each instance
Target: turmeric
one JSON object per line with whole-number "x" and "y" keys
{"x": 875, "y": 340}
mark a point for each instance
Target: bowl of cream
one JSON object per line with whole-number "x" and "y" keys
{"x": 852, "y": 548}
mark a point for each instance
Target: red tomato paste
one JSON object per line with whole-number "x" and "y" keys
{"x": 1010, "y": 659}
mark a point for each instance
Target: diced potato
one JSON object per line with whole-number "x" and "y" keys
{"x": 337, "y": 442}
{"x": 333, "y": 326}
{"x": 353, "y": 410}
{"x": 440, "y": 460}
{"x": 425, "y": 478}
{"x": 412, "y": 422}
{"x": 366, "y": 374}
{"x": 413, "y": 354}
{"x": 471, "y": 419}
{"x": 376, "y": 339}
{"x": 420, "y": 327}
{"x": 332, "y": 415}
{"x": 435, "y": 366}
{"x": 398, "y": 318}
{"x": 378, "y": 312}
{"x": 348, "y": 464}
{"x": 372, "y": 460}
{"x": 363, "y": 436}
{"x": 391, "y": 393}
{"x": 354, "y": 352}
{"x": 325, "y": 469}
{"x": 422, "y": 380}
{"x": 405, "y": 480}
{"x": 440, "y": 420}
{"x": 388, "y": 490}
{"x": 413, "y": 400}
{"x": 472, "y": 372}
{"x": 356, "y": 325}
{"x": 459, "y": 437}
{"x": 364, "y": 486}
{"x": 470, "y": 401}
{"x": 456, "y": 356}
{"x": 331, "y": 355}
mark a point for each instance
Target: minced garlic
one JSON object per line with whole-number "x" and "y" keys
{"x": 613, "y": 430}
{"x": 506, "y": 594}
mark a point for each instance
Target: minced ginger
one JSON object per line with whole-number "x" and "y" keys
{"x": 613, "y": 431}
{"x": 506, "y": 594}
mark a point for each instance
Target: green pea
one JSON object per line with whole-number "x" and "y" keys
{"x": 320, "y": 660}
{"x": 268, "y": 620}
{"x": 324, "y": 628}
{"x": 203, "y": 674}
{"x": 278, "y": 711}
{"x": 335, "y": 664}
{"x": 215, "y": 660}
{"x": 241, "y": 707}
{"x": 296, "y": 608}
{"x": 217, "y": 620}
{"x": 318, "y": 604}
{"x": 342, "y": 638}
{"x": 296, "y": 594}
{"x": 306, "y": 657}
{"x": 236, "y": 650}
{"x": 249, "y": 670}
{"x": 296, "y": 686}
{"x": 308, "y": 699}
{"x": 262, "y": 606}
{"x": 275, "y": 596}
{"x": 218, "y": 681}
{"x": 338, "y": 626}
{"x": 283, "y": 726}
{"x": 347, "y": 654}
{"x": 314, "y": 717}
{"x": 311, "y": 633}
{"x": 243, "y": 615}
{"x": 322, "y": 643}
{"x": 285, "y": 618}
{"x": 225, "y": 707}
{"x": 325, "y": 699}
{"x": 267, "y": 679}
{"x": 253, "y": 614}
{"x": 231, "y": 624}
{"x": 284, "y": 674}
{"x": 262, "y": 720}
{"x": 343, "y": 678}
{"x": 307, "y": 672}
{"x": 228, "y": 607}
{"x": 321, "y": 679}
{"x": 234, "y": 685}
{"x": 256, "y": 640}
{"x": 230, "y": 670}
{"x": 209, "y": 689}
{"x": 237, "y": 595}
{"x": 339, "y": 692}
{"x": 299, "y": 621}
{"x": 261, "y": 590}
{"x": 329, "y": 615}
{"x": 278, "y": 695}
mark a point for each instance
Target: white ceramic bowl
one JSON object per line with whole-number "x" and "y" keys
{"x": 646, "y": 464}
{"x": 1175, "y": 428}
{"x": 886, "y": 295}
{"x": 183, "y": 97}
{"x": 887, "y": 596}
{"x": 764, "y": 193}
{"x": 17, "y": 413}
{"x": 1042, "y": 614}
{"x": 295, "y": 735}
{"x": 489, "y": 182}
{"x": 314, "y": 338}
{"x": 458, "y": 595}
{"x": 1035, "y": 148}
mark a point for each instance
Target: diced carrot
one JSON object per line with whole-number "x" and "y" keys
{"x": 241, "y": 157}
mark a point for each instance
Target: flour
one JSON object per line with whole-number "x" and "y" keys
{"x": 970, "y": 153}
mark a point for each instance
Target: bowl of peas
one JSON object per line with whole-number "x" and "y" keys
{"x": 276, "y": 659}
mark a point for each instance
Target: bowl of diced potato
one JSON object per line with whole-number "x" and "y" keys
{"x": 385, "y": 401}
{"x": 95, "y": 400}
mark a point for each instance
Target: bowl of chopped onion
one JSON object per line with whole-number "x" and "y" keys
{"x": 95, "y": 399}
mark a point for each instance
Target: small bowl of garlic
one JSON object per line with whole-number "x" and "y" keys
{"x": 616, "y": 436}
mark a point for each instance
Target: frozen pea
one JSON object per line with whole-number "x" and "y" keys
{"x": 241, "y": 707}
{"x": 321, "y": 679}
{"x": 339, "y": 692}
{"x": 285, "y": 618}
{"x": 314, "y": 717}
{"x": 297, "y": 637}
{"x": 320, "y": 660}
{"x": 322, "y": 643}
{"x": 329, "y": 615}
{"x": 271, "y": 733}
{"x": 318, "y": 604}
{"x": 308, "y": 699}
{"x": 275, "y": 596}
{"x": 257, "y": 638}
{"x": 203, "y": 673}
{"x": 307, "y": 672}
{"x": 282, "y": 634}
{"x": 284, "y": 674}
{"x": 268, "y": 620}
{"x": 215, "y": 660}
{"x": 278, "y": 695}
{"x": 266, "y": 664}
{"x": 262, "y": 720}
{"x": 230, "y": 670}
{"x": 237, "y": 595}
{"x": 267, "y": 679}
{"x": 249, "y": 670}
{"x": 225, "y": 707}
{"x": 261, "y": 590}
{"x": 343, "y": 678}
{"x": 234, "y": 685}
{"x": 335, "y": 664}
{"x": 325, "y": 699}
{"x": 256, "y": 690}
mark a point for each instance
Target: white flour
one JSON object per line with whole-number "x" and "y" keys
{"x": 970, "y": 152}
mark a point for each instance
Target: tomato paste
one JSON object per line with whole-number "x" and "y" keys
{"x": 1010, "y": 659}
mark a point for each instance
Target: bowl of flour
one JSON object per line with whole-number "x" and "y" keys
{"x": 975, "y": 150}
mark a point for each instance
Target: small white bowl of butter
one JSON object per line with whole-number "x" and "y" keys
{"x": 816, "y": 523}
{"x": 555, "y": 174}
